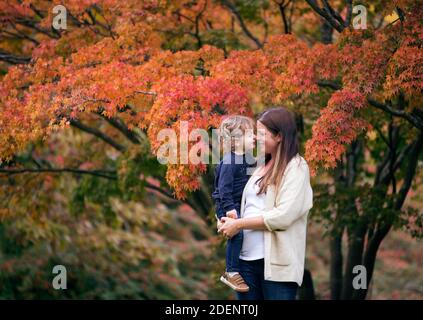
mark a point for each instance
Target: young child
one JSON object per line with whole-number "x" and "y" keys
{"x": 230, "y": 179}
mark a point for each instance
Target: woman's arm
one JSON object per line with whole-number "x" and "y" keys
{"x": 230, "y": 227}
{"x": 296, "y": 198}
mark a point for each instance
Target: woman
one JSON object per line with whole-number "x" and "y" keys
{"x": 274, "y": 208}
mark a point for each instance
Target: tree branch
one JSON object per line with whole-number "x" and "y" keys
{"x": 415, "y": 121}
{"x": 349, "y": 13}
{"x": 119, "y": 125}
{"x": 20, "y": 35}
{"x": 282, "y": 6}
{"x": 326, "y": 15}
{"x": 98, "y": 134}
{"x": 329, "y": 84}
{"x": 98, "y": 173}
{"x": 332, "y": 12}
{"x": 336, "y": 262}
{"x": 158, "y": 189}
{"x": 12, "y": 59}
{"x": 149, "y": 93}
{"x": 197, "y": 25}
{"x": 382, "y": 231}
{"x": 107, "y": 174}
{"x": 32, "y": 24}
{"x": 38, "y": 12}
{"x": 411, "y": 171}
{"x": 398, "y": 113}
{"x": 400, "y": 14}
{"x": 244, "y": 28}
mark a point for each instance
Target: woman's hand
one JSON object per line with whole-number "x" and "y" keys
{"x": 229, "y": 227}
{"x": 219, "y": 224}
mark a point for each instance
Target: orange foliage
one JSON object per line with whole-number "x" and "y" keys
{"x": 126, "y": 71}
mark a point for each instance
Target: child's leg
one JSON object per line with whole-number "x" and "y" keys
{"x": 232, "y": 276}
{"x": 233, "y": 249}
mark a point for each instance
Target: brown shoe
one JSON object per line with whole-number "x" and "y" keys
{"x": 235, "y": 282}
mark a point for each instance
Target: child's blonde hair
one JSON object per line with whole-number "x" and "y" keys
{"x": 232, "y": 128}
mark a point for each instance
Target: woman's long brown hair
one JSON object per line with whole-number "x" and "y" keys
{"x": 279, "y": 121}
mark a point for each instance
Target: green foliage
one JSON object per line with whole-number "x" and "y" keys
{"x": 350, "y": 207}
{"x": 130, "y": 260}
{"x": 251, "y": 9}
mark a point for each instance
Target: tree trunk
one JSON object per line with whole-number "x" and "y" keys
{"x": 374, "y": 243}
{"x": 336, "y": 262}
{"x": 306, "y": 291}
{"x": 326, "y": 32}
{"x": 355, "y": 251}
{"x": 370, "y": 259}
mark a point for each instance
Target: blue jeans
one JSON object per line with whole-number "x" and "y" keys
{"x": 233, "y": 247}
{"x": 260, "y": 289}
